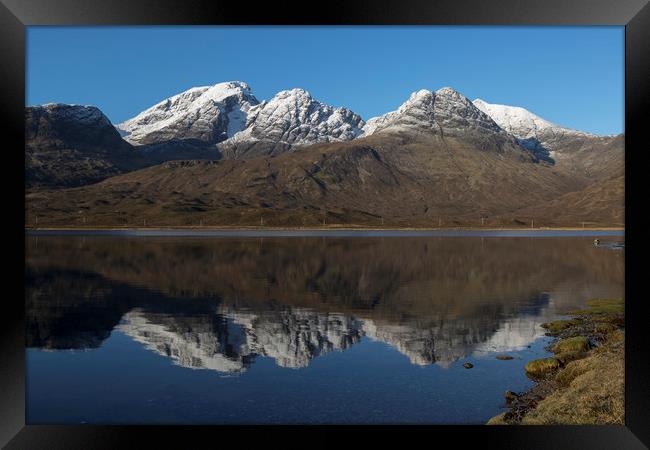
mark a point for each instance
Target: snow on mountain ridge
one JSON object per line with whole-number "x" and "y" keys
{"x": 229, "y": 115}
{"x": 294, "y": 117}
{"x": 445, "y": 109}
{"x": 538, "y": 135}
{"x": 522, "y": 123}
{"x": 207, "y": 113}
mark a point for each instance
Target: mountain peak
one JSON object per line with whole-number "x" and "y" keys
{"x": 236, "y": 84}
{"x": 221, "y": 91}
{"x": 422, "y": 93}
{"x": 295, "y": 92}
{"x": 71, "y": 145}
{"x": 448, "y": 91}
{"x": 80, "y": 113}
{"x": 292, "y": 118}
{"x": 207, "y": 113}
{"x": 418, "y": 99}
{"x": 445, "y": 110}
{"x": 531, "y": 130}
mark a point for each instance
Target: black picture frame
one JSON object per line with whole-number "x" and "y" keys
{"x": 15, "y": 15}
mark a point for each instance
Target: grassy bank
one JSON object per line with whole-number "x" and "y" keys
{"x": 583, "y": 382}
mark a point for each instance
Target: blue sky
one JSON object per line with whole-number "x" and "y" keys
{"x": 573, "y": 76}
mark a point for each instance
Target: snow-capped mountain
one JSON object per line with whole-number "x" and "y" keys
{"x": 210, "y": 114}
{"x": 295, "y": 117}
{"x": 291, "y": 118}
{"x": 229, "y": 113}
{"x": 531, "y": 130}
{"x": 445, "y": 110}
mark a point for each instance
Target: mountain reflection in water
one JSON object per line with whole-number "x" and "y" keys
{"x": 219, "y": 304}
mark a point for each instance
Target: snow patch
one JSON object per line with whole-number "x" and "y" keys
{"x": 522, "y": 123}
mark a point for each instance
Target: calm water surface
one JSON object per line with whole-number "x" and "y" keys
{"x": 302, "y": 329}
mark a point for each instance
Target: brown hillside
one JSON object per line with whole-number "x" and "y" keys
{"x": 422, "y": 180}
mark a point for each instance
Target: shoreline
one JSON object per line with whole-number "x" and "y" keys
{"x": 322, "y": 233}
{"x": 333, "y": 228}
{"x": 587, "y": 348}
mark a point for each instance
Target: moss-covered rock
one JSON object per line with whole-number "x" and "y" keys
{"x": 559, "y": 325}
{"x": 604, "y": 327}
{"x": 572, "y": 344}
{"x": 592, "y": 391}
{"x": 498, "y": 420}
{"x": 539, "y": 367}
{"x": 581, "y": 384}
{"x": 572, "y": 370}
{"x": 567, "y": 357}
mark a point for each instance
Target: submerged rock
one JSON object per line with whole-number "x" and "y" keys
{"x": 504, "y": 357}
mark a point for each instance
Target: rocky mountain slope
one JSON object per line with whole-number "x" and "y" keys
{"x": 291, "y": 118}
{"x": 592, "y": 155}
{"x": 605, "y": 200}
{"x": 229, "y": 114}
{"x": 72, "y": 145}
{"x": 208, "y": 114}
{"x": 445, "y": 110}
{"x": 439, "y": 159}
{"x": 381, "y": 179}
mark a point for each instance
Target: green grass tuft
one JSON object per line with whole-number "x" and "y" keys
{"x": 539, "y": 367}
{"x": 573, "y": 344}
{"x": 559, "y": 325}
